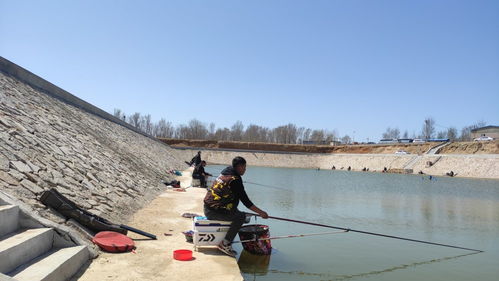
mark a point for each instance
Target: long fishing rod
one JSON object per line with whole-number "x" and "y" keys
{"x": 370, "y": 233}
{"x": 290, "y": 236}
{"x": 260, "y": 184}
{"x": 266, "y": 185}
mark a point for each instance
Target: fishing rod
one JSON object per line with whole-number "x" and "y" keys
{"x": 266, "y": 185}
{"x": 260, "y": 184}
{"x": 369, "y": 233}
{"x": 290, "y": 236}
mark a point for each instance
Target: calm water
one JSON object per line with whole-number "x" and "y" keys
{"x": 460, "y": 212}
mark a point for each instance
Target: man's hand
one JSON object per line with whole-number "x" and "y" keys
{"x": 259, "y": 211}
{"x": 263, "y": 214}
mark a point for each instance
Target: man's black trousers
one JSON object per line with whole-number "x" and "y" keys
{"x": 236, "y": 217}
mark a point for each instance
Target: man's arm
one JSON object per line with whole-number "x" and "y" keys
{"x": 241, "y": 193}
{"x": 259, "y": 211}
{"x": 204, "y": 173}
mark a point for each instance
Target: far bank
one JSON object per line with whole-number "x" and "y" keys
{"x": 462, "y": 165}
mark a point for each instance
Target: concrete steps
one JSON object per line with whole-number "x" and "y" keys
{"x": 29, "y": 253}
{"x": 410, "y": 164}
{"x": 21, "y": 247}
{"x": 9, "y": 219}
{"x": 56, "y": 265}
{"x": 437, "y": 148}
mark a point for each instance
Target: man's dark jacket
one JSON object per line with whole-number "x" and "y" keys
{"x": 226, "y": 192}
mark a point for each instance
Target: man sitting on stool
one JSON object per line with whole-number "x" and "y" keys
{"x": 220, "y": 202}
{"x": 200, "y": 174}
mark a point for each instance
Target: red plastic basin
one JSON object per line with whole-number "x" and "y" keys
{"x": 182, "y": 255}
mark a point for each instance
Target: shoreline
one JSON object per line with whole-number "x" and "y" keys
{"x": 474, "y": 166}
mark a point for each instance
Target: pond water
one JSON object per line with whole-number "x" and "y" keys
{"x": 461, "y": 212}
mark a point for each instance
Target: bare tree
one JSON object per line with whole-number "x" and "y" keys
{"x": 212, "y": 131}
{"x": 255, "y": 133}
{"x": 119, "y": 114}
{"x": 466, "y": 131}
{"x": 285, "y": 134}
{"x": 264, "y": 134}
{"x": 299, "y": 134}
{"x": 237, "y": 131}
{"x": 164, "y": 129}
{"x": 428, "y": 128}
{"x": 330, "y": 136}
{"x": 197, "y": 130}
{"x": 134, "y": 120}
{"x": 346, "y": 139}
{"x": 391, "y": 133}
{"x": 452, "y": 133}
{"x": 182, "y": 132}
{"x": 146, "y": 124}
{"x": 406, "y": 135}
{"x": 223, "y": 134}
{"x": 307, "y": 133}
{"x": 318, "y": 136}
{"x": 441, "y": 134}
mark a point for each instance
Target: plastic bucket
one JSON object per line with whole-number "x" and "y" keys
{"x": 255, "y": 232}
{"x": 182, "y": 255}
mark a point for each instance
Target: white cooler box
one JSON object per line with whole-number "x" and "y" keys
{"x": 208, "y": 232}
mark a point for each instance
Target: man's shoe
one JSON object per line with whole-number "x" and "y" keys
{"x": 227, "y": 249}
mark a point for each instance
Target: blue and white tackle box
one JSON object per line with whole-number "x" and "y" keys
{"x": 208, "y": 232}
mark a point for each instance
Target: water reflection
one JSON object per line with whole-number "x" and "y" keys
{"x": 256, "y": 265}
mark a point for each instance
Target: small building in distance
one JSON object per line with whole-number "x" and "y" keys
{"x": 487, "y": 131}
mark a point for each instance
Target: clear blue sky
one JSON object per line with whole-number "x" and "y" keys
{"x": 350, "y": 65}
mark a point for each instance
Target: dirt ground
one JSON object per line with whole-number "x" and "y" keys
{"x": 153, "y": 259}
{"x": 490, "y": 147}
{"x": 482, "y": 147}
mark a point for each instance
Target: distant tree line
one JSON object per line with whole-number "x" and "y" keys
{"x": 429, "y": 131}
{"x": 195, "y": 129}
{"x": 286, "y": 134}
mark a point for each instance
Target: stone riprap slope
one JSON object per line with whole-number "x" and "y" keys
{"x": 102, "y": 166}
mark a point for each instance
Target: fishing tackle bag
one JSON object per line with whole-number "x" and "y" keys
{"x": 55, "y": 200}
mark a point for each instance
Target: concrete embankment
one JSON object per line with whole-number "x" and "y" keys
{"x": 51, "y": 139}
{"x": 473, "y": 166}
{"x": 102, "y": 166}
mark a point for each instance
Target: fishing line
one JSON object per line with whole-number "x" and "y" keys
{"x": 371, "y": 233}
{"x": 365, "y": 274}
{"x": 290, "y": 236}
{"x": 264, "y": 185}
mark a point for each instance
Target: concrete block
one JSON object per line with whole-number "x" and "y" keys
{"x": 6, "y": 177}
{"x": 4, "y": 163}
{"x": 19, "y": 248}
{"x": 31, "y": 186}
{"x": 9, "y": 219}
{"x": 57, "y": 265}
{"x": 20, "y": 166}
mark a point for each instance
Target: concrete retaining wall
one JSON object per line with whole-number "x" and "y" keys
{"x": 46, "y": 143}
{"x": 42, "y": 85}
{"x": 474, "y": 166}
